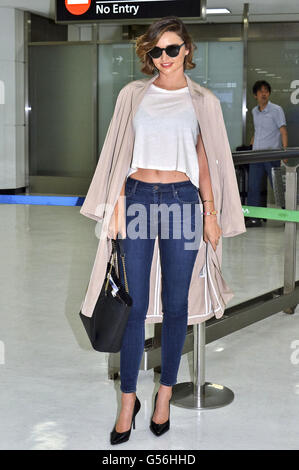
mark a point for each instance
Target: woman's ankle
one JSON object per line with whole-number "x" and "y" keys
{"x": 165, "y": 389}
{"x": 128, "y": 396}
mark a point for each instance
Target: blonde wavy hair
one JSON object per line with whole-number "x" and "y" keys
{"x": 149, "y": 39}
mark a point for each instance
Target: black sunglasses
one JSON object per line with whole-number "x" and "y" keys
{"x": 172, "y": 51}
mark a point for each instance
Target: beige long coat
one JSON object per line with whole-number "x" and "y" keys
{"x": 208, "y": 292}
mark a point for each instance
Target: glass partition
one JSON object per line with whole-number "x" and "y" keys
{"x": 68, "y": 126}
{"x": 115, "y": 70}
{"x": 277, "y": 62}
{"x": 62, "y": 118}
{"x": 219, "y": 67}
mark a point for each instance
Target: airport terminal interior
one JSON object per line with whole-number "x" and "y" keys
{"x": 58, "y": 88}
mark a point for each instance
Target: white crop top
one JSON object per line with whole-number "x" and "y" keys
{"x": 166, "y": 131}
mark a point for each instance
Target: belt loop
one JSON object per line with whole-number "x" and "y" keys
{"x": 135, "y": 186}
{"x": 173, "y": 189}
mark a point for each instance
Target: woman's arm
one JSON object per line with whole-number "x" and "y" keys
{"x": 205, "y": 186}
{"x": 212, "y": 230}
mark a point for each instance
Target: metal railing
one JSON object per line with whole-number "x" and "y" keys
{"x": 200, "y": 394}
{"x": 291, "y": 189}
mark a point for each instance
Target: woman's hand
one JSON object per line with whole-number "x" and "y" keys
{"x": 211, "y": 230}
{"x": 117, "y": 222}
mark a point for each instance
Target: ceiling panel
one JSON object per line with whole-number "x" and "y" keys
{"x": 259, "y": 10}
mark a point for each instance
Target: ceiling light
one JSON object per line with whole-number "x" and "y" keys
{"x": 218, "y": 11}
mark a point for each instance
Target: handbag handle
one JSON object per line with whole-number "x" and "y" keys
{"x": 122, "y": 254}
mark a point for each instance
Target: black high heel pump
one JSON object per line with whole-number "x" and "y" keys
{"x": 118, "y": 437}
{"x": 159, "y": 429}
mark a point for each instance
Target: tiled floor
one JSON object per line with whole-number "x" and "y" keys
{"x": 55, "y": 393}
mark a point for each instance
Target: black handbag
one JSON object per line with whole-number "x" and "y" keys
{"x": 106, "y": 327}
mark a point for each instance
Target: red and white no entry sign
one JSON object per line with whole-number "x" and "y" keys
{"x": 77, "y": 7}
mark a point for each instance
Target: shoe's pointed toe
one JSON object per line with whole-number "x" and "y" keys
{"x": 159, "y": 429}
{"x": 119, "y": 437}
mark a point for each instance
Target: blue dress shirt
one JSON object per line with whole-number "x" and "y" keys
{"x": 266, "y": 126}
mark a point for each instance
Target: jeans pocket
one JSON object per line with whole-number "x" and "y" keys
{"x": 187, "y": 195}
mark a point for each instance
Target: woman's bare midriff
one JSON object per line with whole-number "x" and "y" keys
{"x": 159, "y": 176}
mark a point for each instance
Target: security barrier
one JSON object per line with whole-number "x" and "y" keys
{"x": 200, "y": 394}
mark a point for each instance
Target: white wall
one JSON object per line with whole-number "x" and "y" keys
{"x": 12, "y": 103}
{"x": 40, "y": 7}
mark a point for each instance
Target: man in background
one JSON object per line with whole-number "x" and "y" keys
{"x": 270, "y": 132}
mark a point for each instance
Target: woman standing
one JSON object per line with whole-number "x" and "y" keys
{"x": 169, "y": 167}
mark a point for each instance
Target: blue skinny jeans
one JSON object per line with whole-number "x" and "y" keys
{"x": 179, "y": 237}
